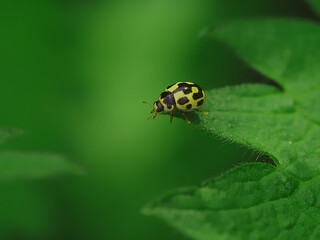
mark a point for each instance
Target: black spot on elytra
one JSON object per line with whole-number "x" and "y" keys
{"x": 200, "y": 103}
{"x": 187, "y": 90}
{"x": 188, "y": 106}
{"x": 185, "y": 87}
{"x": 183, "y": 100}
{"x": 183, "y": 84}
{"x": 197, "y": 95}
{"x": 164, "y": 94}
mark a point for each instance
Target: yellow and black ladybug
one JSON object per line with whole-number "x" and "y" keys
{"x": 184, "y": 96}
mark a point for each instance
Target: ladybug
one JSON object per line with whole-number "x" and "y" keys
{"x": 182, "y": 96}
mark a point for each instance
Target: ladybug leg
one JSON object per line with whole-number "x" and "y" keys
{"x": 154, "y": 116}
{"x": 185, "y": 117}
{"x": 171, "y": 116}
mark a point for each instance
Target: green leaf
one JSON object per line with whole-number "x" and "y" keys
{"x": 267, "y": 47}
{"x": 315, "y": 4}
{"x": 261, "y": 201}
{"x": 6, "y": 133}
{"x": 18, "y": 165}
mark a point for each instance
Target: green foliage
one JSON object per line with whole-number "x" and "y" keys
{"x": 14, "y": 165}
{"x": 259, "y": 200}
{"x": 315, "y": 4}
{"x": 6, "y": 133}
{"x": 17, "y": 165}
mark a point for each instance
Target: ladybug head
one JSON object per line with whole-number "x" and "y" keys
{"x": 157, "y": 108}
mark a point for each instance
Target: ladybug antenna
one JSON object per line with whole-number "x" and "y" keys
{"x": 147, "y": 103}
{"x": 152, "y": 111}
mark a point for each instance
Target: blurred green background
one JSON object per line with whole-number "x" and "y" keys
{"x": 74, "y": 75}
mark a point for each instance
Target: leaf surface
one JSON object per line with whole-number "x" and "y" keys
{"x": 6, "y": 133}
{"x": 18, "y": 165}
{"x": 261, "y": 201}
{"x": 315, "y": 4}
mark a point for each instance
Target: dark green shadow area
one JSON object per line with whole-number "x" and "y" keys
{"x": 74, "y": 74}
